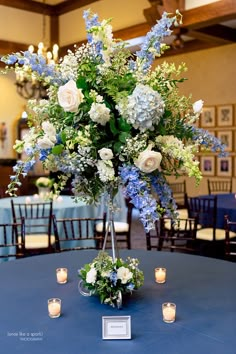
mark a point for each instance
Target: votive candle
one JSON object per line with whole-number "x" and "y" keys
{"x": 54, "y": 307}
{"x": 168, "y": 312}
{"x": 160, "y": 275}
{"x": 61, "y": 274}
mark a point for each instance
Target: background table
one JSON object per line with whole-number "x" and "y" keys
{"x": 66, "y": 207}
{"x": 226, "y": 205}
{"x": 202, "y": 288}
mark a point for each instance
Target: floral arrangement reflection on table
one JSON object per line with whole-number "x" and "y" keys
{"x": 113, "y": 119}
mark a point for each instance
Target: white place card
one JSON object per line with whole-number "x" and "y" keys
{"x": 116, "y": 327}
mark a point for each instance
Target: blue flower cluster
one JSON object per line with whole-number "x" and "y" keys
{"x": 206, "y": 139}
{"x": 138, "y": 190}
{"x": 151, "y": 47}
{"x": 145, "y": 108}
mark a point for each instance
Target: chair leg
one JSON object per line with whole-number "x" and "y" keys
{"x": 148, "y": 242}
{"x": 160, "y": 244}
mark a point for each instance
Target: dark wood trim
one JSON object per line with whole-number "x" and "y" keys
{"x": 210, "y": 14}
{"x": 71, "y": 5}
{"x": 54, "y": 29}
{"x": 28, "y": 5}
{"x": 49, "y": 10}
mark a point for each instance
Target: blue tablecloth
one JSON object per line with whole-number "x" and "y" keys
{"x": 202, "y": 288}
{"x": 226, "y": 205}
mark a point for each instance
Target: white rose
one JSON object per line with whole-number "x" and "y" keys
{"x": 48, "y": 128}
{"x": 148, "y": 161}
{"x": 197, "y": 106}
{"x": 105, "y": 154}
{"x": 45, "y": 143}
{"x": 70, "y": 97}
{"x": 91, "y": 276}
{"x": 124, "y": 274}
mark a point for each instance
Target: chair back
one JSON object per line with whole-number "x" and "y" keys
{"x": 174, "y": 235}
{"x": 178, "y": 192}
{"x": 38, "y": 218}
{"x": 78, "y": 233}
{"x": 230, "y": 239}
{"x": 219, "y": 186}
{"x": 12, "y": 240}
{"x": 204, "y": 210}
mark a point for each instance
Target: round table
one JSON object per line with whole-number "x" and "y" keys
{"x": 65, "y": 207}
{"x": 202, "y": 288}
{"x": 226, "y": 205}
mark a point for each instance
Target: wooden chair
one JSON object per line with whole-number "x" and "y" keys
{"x": 78, "y": 233}
{"x": 230, "y": 239}
{"x": 12, "y": 240}
{"x": 205, "y": 209}
{"x": 209, "y": 237}
{"x": 219, "y": 186}
{"x": 38, "y": 226}
{"x": 174, "y": 235}
{"x": 122, "y": 229}
{"x": 179, "y": 192}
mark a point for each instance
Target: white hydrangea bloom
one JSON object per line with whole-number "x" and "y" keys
{"x": 99, "y": 113}
{"x": 105, "y": 170}
{"x": 124, "y": 274}
{"x": 91, "y": 276}
{"x": 175, "y": 149}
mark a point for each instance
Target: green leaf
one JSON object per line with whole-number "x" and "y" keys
{"x": 117, "y": 147}
{"x": 123, "y": 125}
{"x": 123, "y": 136}
{"x": 81, "y": 83}
{"x": 57, "y": 150}
{"x": 113, "y": 128}
{"x": 63, "y": 137}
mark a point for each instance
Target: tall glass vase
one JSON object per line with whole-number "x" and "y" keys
{"x": 110, "y": 226}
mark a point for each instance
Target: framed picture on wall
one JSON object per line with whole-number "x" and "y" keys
{"x": 234, "y": 166}
{"x": 208, "y": 117}
{"x": 225, "y": 115}
{"x": 207, "y": 165}
{"x": 226, "y": 138}
{"x": 224, "y": 166}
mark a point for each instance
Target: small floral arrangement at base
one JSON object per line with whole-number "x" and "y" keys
{"x": 44, "y": 182}
{"x": 105, "y": 277}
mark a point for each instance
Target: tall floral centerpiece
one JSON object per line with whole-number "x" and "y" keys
{"x": 113, "y": 118}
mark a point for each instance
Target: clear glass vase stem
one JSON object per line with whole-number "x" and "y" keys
{"x": 110, "y": 229}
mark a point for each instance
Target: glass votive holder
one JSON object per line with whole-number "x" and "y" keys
{"x": 61, "y": 274}
{"x": 160, "y": 275}
{"x": 27, "y": 200}
{"x": 54, "y": 307}
{"x": 169, "y": 312}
